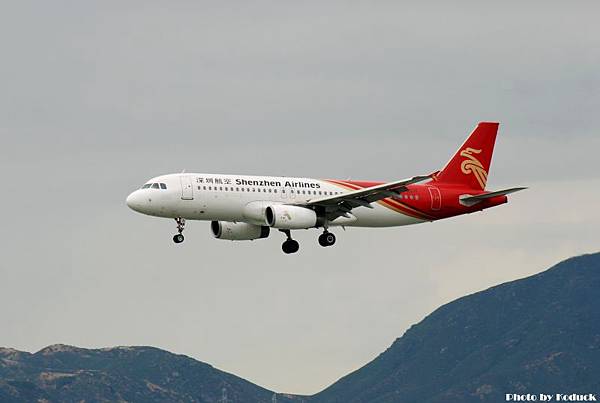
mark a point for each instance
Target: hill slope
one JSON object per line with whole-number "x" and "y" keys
{"x": 540, "y": 334}
{"x": 62, "y": 373}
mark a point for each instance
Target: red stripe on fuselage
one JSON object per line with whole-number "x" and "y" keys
{"x": 391, "y": 204}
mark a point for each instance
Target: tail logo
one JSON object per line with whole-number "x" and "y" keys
{"x": 471, "y": 165}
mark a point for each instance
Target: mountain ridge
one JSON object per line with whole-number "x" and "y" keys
{"x": 465, "y": 340}
{"x": 65, "y": 373}
{"x": 538, "y": 334}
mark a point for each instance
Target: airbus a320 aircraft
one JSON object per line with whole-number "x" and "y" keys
{"x": 243, "y": 208}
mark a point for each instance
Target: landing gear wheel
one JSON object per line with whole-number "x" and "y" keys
{"x": 326, "y": 239}
{"x": 290, "y": 246}
{"x": 178, "y": 238}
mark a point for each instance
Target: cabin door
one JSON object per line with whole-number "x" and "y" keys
{"x": 187, "y": 188}
{"x": 436, "y": 198}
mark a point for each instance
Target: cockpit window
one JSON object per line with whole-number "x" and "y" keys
{"x": 155, "y": 186}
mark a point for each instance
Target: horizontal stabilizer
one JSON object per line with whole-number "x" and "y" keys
{"x": 469, "y": 200}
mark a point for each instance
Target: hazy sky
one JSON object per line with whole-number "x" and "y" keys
{"x": 97, "y": 97}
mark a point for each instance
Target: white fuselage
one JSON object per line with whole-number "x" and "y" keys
{"x": 244, "y": 208}
{"x": 241, "y": 198}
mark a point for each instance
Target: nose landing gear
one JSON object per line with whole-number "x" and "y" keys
{"x": 326, "y": 239}
{"x": 289, "y": 245}
{"x": 178, "y": 238}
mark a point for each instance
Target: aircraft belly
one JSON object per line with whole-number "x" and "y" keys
{"x": 230, "y": 207}
{"x": 209, "y": 208}
{"x": 380, "y": 216}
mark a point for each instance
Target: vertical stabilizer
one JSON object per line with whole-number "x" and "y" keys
{"x": 471, "y": 163}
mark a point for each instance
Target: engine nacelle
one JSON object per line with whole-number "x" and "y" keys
{"x": 284, "y": 216}
{"x": 254, "y": 212}
{"x": 238, "y": 231}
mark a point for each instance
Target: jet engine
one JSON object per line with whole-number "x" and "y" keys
{"x": 238, "y": 231}
{"x": 284, "y": 216}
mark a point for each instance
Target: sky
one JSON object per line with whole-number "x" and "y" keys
{"x": 97, "y": 97}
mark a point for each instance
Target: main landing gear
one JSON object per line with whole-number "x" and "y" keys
{"x": 289, "y": 245}
{"x": 178, "y": 238}
{"x": 326, "y": 238}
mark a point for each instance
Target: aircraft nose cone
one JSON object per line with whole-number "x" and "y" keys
{"x": 134, "y": 201}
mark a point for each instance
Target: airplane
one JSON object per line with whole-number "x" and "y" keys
{"x": 242, "y": 207}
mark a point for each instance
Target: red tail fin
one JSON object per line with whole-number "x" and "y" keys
{"x": 471, "y": 164}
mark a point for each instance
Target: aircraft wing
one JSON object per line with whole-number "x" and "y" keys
{"x": 339, "y": 205}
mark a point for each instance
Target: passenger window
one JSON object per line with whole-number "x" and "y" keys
{"x": 220, "y": 187}
{"x": 163, "y": 186}
{"x": 155, "y": 186}
{"x": 274, "y": 190}
{"x": 204, "y": 187}
{"x": 242, "y": 189}
{"x": 269, "y": 190}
